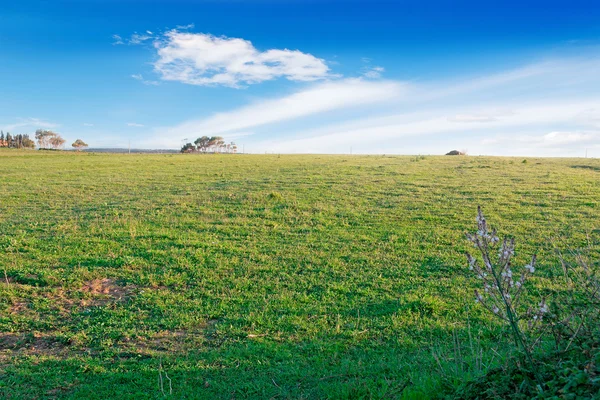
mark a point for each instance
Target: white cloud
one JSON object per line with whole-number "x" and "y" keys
{"x": 483, "y": 116}
{"x": 394, "y": 130}
{"x": 28, "y": 123}
{"x": 204, "y": 59}
{"x": 139, "y": 77}
{"x": 137, "y": 38}
{"x": 87, "y": 124}
{"x": 373, "y": 73}
{"x": 472, "y": 118}
{"x": 561, "y": 138}
{"x": 117, "y": 39}
{"x": 134, "y": 39}
{"x": 135, "y": 125}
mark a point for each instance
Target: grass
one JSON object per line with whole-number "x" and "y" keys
{"x": 259, "y": 276}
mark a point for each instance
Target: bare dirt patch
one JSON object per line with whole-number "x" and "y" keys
{"x": 105, "y": 291}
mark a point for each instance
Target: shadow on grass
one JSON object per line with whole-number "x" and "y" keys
{"x": 251, "y": 370}
{"x": 590, "y": 167}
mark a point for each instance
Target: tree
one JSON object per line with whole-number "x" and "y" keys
{"x": 212, "y": 142}
{"x": 27, "y": 142}
{"x": 44, "y": 137}
{"x": 57, "y": 142}
{"x": 187, "y": 148}
{"x": 9, "y": 140}
{"x": 202, "y": 143}
{"x": 220, "y": 144}
{"x": 79, "y": 144}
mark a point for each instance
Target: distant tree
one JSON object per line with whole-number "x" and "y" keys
{"x": 233, "y": 147}
{"x": 202, "y": 143}
{"x": 57, "y": 142}
{"x": 27, "y": 142}
{"x": 220, "y": 144}
{"x": 187, "y": 148}
{"x": 9, "y": 140}
{"x": 79, "y": 144}
{"x": 44, "y": 138}
{"x": 2, "y": 139}
{"x": 212, "y": 143}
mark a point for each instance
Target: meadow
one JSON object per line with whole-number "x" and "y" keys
{"x": 264, "y": 276}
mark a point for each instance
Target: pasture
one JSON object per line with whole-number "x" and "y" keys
{"x": 264, "y": 276}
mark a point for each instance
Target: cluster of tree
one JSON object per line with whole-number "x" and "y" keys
{"x": 205, "y": 144}
{"x": 46, "y": 140}
{"x": 16, "y": 141}
{"x": 49, "y": 140}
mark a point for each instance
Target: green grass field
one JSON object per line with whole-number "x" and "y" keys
{"x": 262, "y": 276}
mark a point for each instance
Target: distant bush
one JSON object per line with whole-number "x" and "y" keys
{"x": 456, "y": 153}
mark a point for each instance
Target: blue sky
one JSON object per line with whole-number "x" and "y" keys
{"x": 292, "y": 76}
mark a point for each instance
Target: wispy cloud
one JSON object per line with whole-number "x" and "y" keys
{"x": 321, "y": 98}
{"x": 555, "y": 139}
{"x": 554, "y": 104}
{"x": 140, "y": 77}
{"x": 138, "y": 38}
{"x": 133, "y": 39}
{"x": 205, "y": 60}
{"x": 29, "y": 123}
{"x": 135, "y": 125}
{"x": 117, "y": 40}
{"x": 482, "y": 116}
{"x": 373, "y": 72}
{"x": 87, "y": 124}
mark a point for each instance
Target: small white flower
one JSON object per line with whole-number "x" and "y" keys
{"x": 530, "y": 268}
{"x": 496, "y": 310}
{"x": 518, "y": 284}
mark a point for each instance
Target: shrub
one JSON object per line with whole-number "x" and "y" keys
{"x": 557, "y": 343}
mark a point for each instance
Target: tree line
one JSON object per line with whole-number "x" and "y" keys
{"x": 45, "y": 139}
{"x": 16, "y": 141}
{"x": 213, "y": 144}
